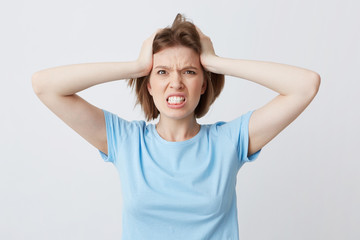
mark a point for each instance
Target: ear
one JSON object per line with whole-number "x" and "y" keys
{"x": 149, "y": 87}
{"x": 204, "y": 86}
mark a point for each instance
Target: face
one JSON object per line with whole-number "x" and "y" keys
{"x": 176, "y": 82}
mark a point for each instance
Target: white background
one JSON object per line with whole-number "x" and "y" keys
{"x": 304, "y": 185}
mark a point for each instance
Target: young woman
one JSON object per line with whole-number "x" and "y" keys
{"x": 178, "y": 177}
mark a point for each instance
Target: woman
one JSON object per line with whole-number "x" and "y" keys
{"x": 178, "y": 177}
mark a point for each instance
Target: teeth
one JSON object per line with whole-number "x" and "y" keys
{"x": 175, "y": 100}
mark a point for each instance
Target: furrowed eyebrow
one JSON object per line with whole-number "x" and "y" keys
{"x": 190, "y": 67}
{"x": 166, "y": 67}
{"x": 161, "y": 67}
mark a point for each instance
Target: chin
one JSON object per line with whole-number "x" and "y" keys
{"x": 179, "y": 115}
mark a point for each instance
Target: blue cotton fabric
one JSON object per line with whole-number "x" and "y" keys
{"x": 178, "y": 190}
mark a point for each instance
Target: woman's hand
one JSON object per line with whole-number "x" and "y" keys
{"x": 145, "y": 59}
{"x": 207, "y": 51}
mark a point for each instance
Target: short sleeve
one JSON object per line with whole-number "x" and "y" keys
{"x": 115, "y": 132}
{"x": 238, "y": 132}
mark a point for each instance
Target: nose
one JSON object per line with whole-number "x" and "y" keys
{"x": 176, "y": 81}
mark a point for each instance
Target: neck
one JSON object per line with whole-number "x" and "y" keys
{"x": 177, "y": 130}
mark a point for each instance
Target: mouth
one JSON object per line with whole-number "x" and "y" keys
{"x": 175, "y": 100}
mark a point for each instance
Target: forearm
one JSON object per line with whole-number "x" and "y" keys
{"x": 70, "y": 79}
{"x": 284, "y": 79}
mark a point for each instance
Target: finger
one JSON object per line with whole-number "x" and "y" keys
{"x": 151, "y": 38}
{"x": 200, "y": 32}
{"x": 156, "y": 32}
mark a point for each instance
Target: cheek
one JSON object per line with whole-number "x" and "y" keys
{"x": 201, "y": 85}
{"x": 152, "y": 85}
{"x": 155, "y": 87}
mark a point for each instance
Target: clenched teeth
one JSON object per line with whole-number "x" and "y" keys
{"x": 175, "y": 100}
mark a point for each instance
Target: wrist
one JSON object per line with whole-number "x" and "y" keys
{"x": 142, "y": 68}
{"x": 139, "y": 69}
{"x": 210, "y": 63}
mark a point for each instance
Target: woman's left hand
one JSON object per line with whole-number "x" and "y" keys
{"x": 207, "y": 50}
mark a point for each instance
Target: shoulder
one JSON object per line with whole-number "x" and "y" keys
{"x": 230, "y": 127}
{"x": 121, "y": 126}
{"x": 234, "y": 133}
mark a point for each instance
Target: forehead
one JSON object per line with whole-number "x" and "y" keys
{"x": 178, "y": 55}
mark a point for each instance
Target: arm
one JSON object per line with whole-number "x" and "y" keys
{"x": 296, "y": 87}
{"x": 57, "y": 88}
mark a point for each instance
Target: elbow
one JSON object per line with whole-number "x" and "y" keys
{"x": 36, "y": 81}
{"x": 312, "y": 85}
{"x": 315, "y": 83}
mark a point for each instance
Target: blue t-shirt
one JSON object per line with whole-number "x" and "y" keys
{"x": 178, "y": 190}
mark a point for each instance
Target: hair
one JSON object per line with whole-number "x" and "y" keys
{"x": 181, "y": 33}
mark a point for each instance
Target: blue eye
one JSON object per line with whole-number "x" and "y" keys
{"x": 161, "y": 72}
{"x": 189, "y": 72}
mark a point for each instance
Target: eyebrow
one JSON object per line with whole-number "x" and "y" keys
{"x": 166, "y": 67}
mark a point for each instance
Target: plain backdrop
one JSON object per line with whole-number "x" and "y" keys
{"x": 304, "y": 185}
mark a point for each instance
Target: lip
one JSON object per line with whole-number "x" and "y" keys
{"x": 176, "y": 106}
{"x": 176, "y": 95}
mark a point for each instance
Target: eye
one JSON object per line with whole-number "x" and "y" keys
{"x": 161, "y": 72}
{"x": 190, "y": 72}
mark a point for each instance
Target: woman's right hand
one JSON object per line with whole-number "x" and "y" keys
{"x": 145, "y": 59}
